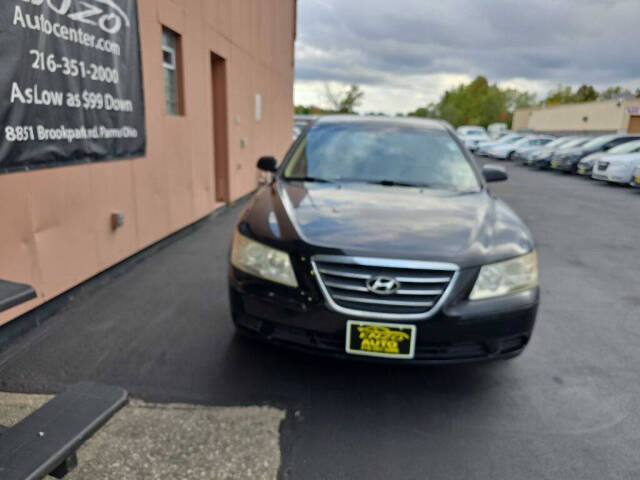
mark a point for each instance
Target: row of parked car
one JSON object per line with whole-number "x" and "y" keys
{"x": 613, "y": 158}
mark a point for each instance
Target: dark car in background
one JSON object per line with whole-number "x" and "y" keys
{"x": 378, "y": 238}
{"x": 542, "y": 158}
{"x": 526, "y": 158}
{"x": 567, "y": 160}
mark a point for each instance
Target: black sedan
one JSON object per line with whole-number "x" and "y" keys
{"x": 378, "y": 239}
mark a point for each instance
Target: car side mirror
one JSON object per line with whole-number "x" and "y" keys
{"x": 494, "y": 173}
{"x": 268, "y": 164}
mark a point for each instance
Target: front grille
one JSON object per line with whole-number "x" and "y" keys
{"x": 421, "y": 285}
{"x": 603, "y": 165}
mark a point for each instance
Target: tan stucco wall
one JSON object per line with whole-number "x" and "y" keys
{"x": 521, "y": 118}
{"x": 55, "y": 223}
{"x": 610, "y": 115}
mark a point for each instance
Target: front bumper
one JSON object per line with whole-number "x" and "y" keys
{"x": 518, "y": 157}
{"x": 543, "y": 163}
{"x": 461, "y": 331}
{"x": 499, "y": 155}
{"x": 584, "y": 170}
{"x": 563, "y": 165}
{"x": 620, "y": 174}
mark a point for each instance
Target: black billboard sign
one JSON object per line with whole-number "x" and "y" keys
{"x": 70, "y": 82}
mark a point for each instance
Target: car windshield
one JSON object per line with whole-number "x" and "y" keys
{"x": 557, "y": 142}
{"x": 576, "y": 142}
{"x": 515, "y": 139}
{"x": 397, "y": 154}
{"x": 473, "y": 132}
{"x": 598, "y": 141}
{"x": 522, "y": 141}
{"x": 508, "y": 138}
{"x": 627, "y": 147}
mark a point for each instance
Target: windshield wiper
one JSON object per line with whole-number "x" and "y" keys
{"x": 394, "y": 183}
{"x": 309, "y": 179}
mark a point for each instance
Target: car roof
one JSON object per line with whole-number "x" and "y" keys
{"x": 415, "y": 122}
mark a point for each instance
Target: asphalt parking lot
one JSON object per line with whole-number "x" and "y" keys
{"x": 567, "y": 408}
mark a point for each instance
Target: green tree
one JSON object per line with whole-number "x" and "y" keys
{"x": 560, "y": 95}
{"x": 477, "y": 103}
{"x": 308, "y": 110}
{"x": 615, "y": 92}
{"x": 345, "y": 102}
{"x": 430, "y": 111}
{"x": 586, "y": 93}
{"x": 517, "y": 99}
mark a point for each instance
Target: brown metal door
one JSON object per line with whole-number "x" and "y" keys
{"x": 634, "y": 124}
{"x": 220, "y": 135}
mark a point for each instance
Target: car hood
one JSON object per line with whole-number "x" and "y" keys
{"x": 592, "y": 158}
{"x": 570, "y": 151}
{"x": 621, "y": 157}
{"x": 474, "y": 139}
{"x": 468, "y": 229}
{"x": 527, "y": 149}
{"x": 488, "y": 143}
{"x": 502, "y": 148}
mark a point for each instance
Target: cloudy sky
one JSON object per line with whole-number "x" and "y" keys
{"x": 405, "y": 53}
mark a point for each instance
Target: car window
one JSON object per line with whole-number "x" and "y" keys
{"x": 576, "y": 142}
{"x": 627, "y": 147}
{"x": 617, "y": 141}
{"x": 382, "y": 152}
{"x": 598, "y": 141}
{"x": 558, "y": 141}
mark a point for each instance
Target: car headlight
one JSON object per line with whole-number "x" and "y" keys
{"x": 262, "y": 261}
{"x": 509, "y": 276}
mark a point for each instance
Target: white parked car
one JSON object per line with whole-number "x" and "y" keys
{"x": 616, "y": 168}
{"x": 483, "y": 147}
{"x": 507, "y": 150}
{"x": 471, "y": 136}
{"x": 495, "y": 129}
{"x": 585, "y": 166}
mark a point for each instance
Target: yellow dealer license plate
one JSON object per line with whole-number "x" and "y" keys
{"x": 582, "y": 170}
{"x": 554, "y": 164}
{"x": 374, "y": 339}
{"x": 637, "y": 179}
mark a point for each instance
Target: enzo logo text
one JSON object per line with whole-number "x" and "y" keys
{"x": 105, "y": 14}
